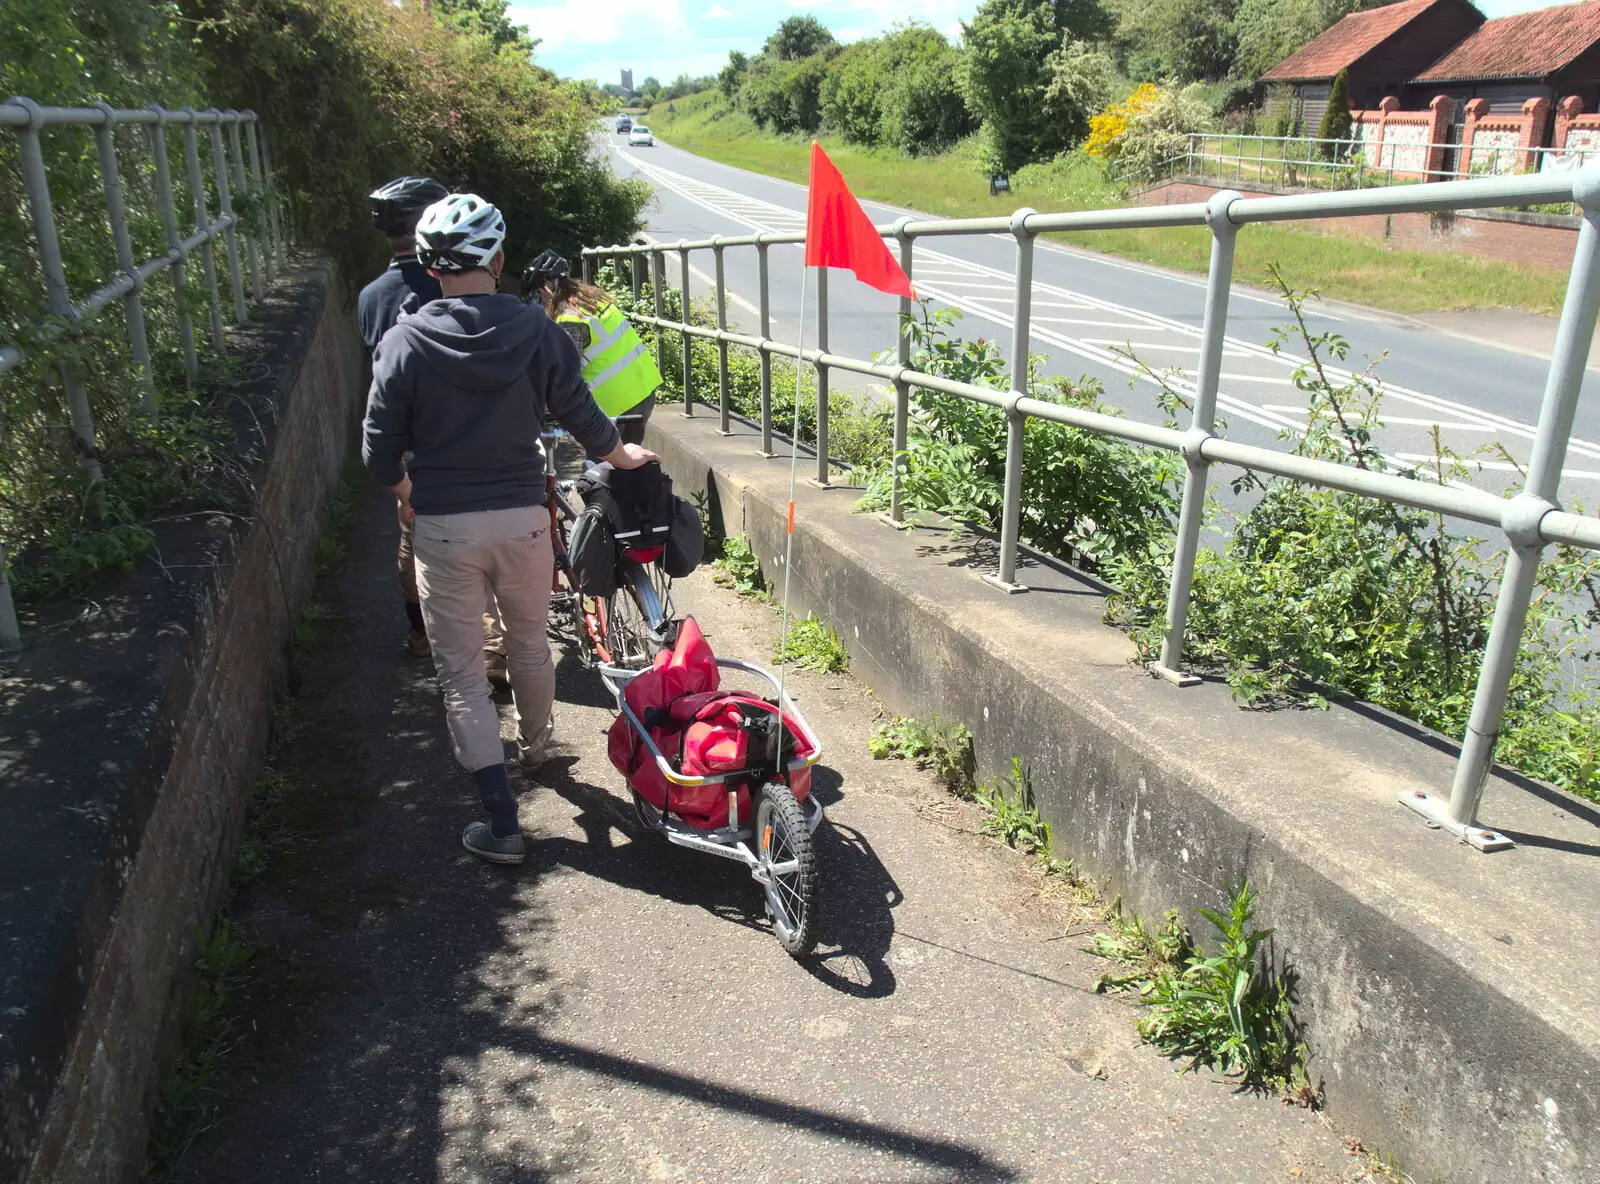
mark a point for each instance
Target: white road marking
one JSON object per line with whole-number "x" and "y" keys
{"x": 1499, "y": 466}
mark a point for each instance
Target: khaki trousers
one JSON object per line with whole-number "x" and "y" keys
{"x": 494, "y": 641}
{"x": 461, "y": 559}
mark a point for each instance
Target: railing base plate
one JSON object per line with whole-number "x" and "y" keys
{"x": 1436, "y": 812}
{"x": 815, "y": 484}
{"x": 1178, "y": 678}
{"x": 888, "y": 520}
{"x": 1003, "y": 585}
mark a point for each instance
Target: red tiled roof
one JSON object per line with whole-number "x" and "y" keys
{"x": 1528, "y": 45}
{"x": 1346, "y": 42}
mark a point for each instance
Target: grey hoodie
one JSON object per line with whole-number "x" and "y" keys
{"x": 465, "y": 384}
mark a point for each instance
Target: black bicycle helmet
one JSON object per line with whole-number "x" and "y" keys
{"x": 397, "y": 205}
{"x": 546, "y": 268}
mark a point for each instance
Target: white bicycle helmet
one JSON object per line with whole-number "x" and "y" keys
{"x": 460, "y": 233}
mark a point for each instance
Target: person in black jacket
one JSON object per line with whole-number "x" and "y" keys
{"x": 396, "y": 207}
{"x": 465, "y": 385}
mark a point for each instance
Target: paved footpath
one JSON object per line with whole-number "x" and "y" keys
{"x": 616, "y": 1011}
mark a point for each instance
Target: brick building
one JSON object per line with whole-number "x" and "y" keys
{"x": 1383, "y": 48}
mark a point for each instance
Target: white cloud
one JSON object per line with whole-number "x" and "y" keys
{"x": 716, "y": 13}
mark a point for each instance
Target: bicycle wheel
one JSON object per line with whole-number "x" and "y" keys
{"x": 787, "y": 870}
{"x": 638, "y": 616}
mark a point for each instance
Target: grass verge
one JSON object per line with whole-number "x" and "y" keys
{"x": 1340, "y": 264}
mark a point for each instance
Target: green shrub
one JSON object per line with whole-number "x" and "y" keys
{"x": 1078, "y": 488}
{"x": 1317, "y": 592}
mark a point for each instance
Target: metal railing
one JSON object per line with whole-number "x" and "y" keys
{"x": 1529, "y": 520}
{"x": 1291, "y": 161}
{"x": 235, "y": 167}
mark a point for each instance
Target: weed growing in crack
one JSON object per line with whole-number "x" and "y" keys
{"x": 934, "y": 743}
{"x": 1223, "y": 1009}
{"x": 738, "y": 568}
{"x": 186, "y": 1105}
{"x": 813, "y": 644}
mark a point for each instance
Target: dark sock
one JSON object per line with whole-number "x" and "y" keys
{"x": 414, "y": 615}
{"x": 495, "y": 789}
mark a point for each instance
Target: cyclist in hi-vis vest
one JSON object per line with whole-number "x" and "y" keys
{"x": 618, "y": 367}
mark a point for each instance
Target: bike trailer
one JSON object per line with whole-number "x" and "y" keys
{"x": 720, "y": 745}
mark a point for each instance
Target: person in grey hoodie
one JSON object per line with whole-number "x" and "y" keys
{"x": 465, "y": 384}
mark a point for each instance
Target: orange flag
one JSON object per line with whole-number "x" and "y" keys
{"x": 839, "y": 233}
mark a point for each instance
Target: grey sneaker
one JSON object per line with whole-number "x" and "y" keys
{"x": 535, "y": 751}
{"x": 479, "y": 839}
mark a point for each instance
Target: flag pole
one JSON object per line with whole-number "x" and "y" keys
{"x": 794, "y": 470}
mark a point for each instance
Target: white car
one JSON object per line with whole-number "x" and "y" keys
{"x": 641, "y": 135}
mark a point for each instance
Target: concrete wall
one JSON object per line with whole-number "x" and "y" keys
{"x": 1446, "y": 996}
{"x": 130, "y": 743}
{"x": 1527, "y": 240}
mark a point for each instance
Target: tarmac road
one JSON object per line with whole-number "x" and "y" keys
{"x": 616, "y": 1011}
{"x": 1086, "y": 306}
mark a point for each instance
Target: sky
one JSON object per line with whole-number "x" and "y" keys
{"x": 598, "y": 38}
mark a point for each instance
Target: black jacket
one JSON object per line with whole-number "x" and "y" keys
{"x": 379, "y": 304}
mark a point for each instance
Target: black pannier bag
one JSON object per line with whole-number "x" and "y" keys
{"x": 637, "y": 502}
{"x": 643, "y": 514}
{"x": 592, "y": 552}
{"x": 686, "y": 545}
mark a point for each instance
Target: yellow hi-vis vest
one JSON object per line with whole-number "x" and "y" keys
{"x": 620, "y": 371}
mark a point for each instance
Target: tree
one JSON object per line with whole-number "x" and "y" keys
{"x": 1004, "y": 76}
{"x": 1082, "y": 82}
{"x": 798, "y": 37}
{"x": 1336, "y": 124}
{"x": 484, "y": 18}
{"x": 785, "y": 96}
{"x": 732, "y": 75}
{"x": 1184, "y": 40}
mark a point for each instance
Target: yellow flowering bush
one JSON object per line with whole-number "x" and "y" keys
{"x": 1108, "y": 129}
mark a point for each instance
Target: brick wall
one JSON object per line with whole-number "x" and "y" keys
{"x": 107, "y": 966}
{"x": 1528, "y": 240}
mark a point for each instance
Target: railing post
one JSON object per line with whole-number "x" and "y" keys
{"x": 253, "y": 146}
{"x": 37, "y": 187}
{"x": 252, "y": 245}
{"x": 765, "y": 305}
{"x": 169, "y": 223}
{"x": 105, "y": 143}
{"x": 1219, "y": 283}
{"x": 821, "y": 479}
{"x": 219, "y": 169}
{"x": 1016, "y": 422}
{"x": 658, "y": 270}
{"x": 10, "y": 631}
{"x": 902, "y": 389}
{"x": 1523, "y": 514}
{"x": 202, "y": 225}
{"x": 688, "y": 340}
{"x": 636, "y": 270}
{"x": 272, "y": 195}
{"x": 722, "y": 346}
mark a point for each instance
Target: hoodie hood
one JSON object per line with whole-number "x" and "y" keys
{"x": 482, "y": 342}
